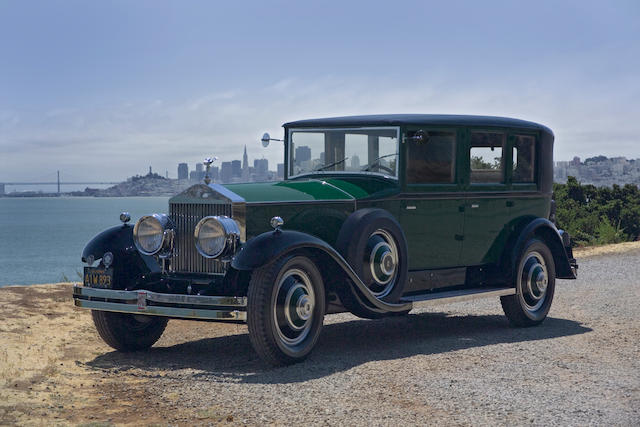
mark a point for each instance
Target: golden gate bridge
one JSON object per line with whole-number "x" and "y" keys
{"x": 57, "y": 182}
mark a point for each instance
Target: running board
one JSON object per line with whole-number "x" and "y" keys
{"x": 456, "y": 296}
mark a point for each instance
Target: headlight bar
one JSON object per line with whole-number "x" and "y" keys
{"x": 217, "y": 236}
{"x": 153, "y": 235}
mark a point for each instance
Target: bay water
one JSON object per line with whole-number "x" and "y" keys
{"x": 41, "y": 238}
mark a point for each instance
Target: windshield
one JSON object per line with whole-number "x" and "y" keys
{"x": 361, "y": 150}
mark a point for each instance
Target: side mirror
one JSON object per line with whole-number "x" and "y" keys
{"x": 266, "y": 138}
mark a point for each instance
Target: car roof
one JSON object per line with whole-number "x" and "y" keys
{"x": 419, "y": 120}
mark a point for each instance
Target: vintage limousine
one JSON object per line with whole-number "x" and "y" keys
{"x": 376, "y": 214}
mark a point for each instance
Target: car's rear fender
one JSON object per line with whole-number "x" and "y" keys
{"x": 558, "y": 242}
{"x": 270, "y": 246}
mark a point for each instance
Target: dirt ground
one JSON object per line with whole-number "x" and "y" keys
{"x": 48, "y": 374}
{"x": 55, "y": 370}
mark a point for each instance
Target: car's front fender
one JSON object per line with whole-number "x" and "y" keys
{"x": 269, "y": 246}
{"x": 128, "y": 263}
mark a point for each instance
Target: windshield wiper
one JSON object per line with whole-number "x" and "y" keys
{"x": 321, "y": 168}
{"x": 376, "y": 161}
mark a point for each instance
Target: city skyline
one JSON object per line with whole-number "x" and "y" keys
{"x": 183, "y": 83}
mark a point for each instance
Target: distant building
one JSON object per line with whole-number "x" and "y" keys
{"x": 183, "y": 171}
{"x": 198, "y": 174}
{"x": 1, "y": 189}
{"x": 246, "y": 173}
{"x": 245, "y": 160}
{"x": 225, "y": 172}
{"x": 303, "y": 154}
{"x": 280, "y": 171}
{"x": 236, "y": 168}
{"x": 355, "y": 162}
{"x": 214, "y": 173}
{"x": 600, "y": 171}
{"x": 261, "y": 167}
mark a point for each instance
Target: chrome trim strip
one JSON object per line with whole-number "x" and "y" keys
{"x": 457, "y": 296}
{"x": 299, "y": 202}
{"x": 158, "y": 297}
{"x": 187, "y": 313}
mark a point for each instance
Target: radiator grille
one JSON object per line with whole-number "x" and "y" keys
{"x": 185, "y": 217}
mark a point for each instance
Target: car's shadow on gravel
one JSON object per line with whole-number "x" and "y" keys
{"x": 341, "y": 347}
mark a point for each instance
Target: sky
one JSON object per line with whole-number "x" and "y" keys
{"x": 103, "y": 90}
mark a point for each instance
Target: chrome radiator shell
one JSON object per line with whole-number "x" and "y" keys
{"x": 189, "y": 207}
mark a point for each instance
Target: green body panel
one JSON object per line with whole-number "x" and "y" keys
{"x": 484, "y": 220}
{"x": 311, "y": 205}
{"x": 433, "y": 228}
{"x": 314, "y": 188}
{"x": 322, "y": 220}
{"x": 288, "y": 191}
{"x": 529, "y": 206}
{"x": 367, "y": 186}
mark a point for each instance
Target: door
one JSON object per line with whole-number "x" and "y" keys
{"x": 431, "y": 213}
{"x": 486, "y": 207}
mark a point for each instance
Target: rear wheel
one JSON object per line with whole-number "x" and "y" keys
{"x": 285, "y": 311}
{"x": 128, "y": 332}
{"x": 535, "y": 286}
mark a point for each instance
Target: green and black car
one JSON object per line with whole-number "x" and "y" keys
{"x": 376, "y": 214}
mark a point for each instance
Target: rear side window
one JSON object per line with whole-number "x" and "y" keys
{"x": 523, "y": 158}
{"x": 432, "y": 160}
{"x": 486, "y": 156}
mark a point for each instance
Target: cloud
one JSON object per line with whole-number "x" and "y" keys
{"x": 124, "y": 139}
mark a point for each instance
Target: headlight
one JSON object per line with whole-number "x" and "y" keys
{"x": 153, "y": 234}
{"x": 217, "y": 236}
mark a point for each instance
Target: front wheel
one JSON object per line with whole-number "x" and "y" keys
{"x": 535, "y": 285}
{"x": 128, "y": 332}
{"x": 285, "y": 309}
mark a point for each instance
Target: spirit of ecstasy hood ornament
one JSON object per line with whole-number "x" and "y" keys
{"x": 207, "y": 162}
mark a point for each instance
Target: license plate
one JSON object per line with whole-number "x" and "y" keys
{"x": 98, "y": 277}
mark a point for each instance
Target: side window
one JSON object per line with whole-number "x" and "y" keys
{"x": 524, "y": 159}
{"x": 486, "y": 155}
{"x": 432, "y": 161}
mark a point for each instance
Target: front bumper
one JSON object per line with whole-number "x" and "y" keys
{"x": 149, "y": 303}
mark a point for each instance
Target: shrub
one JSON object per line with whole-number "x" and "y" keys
{"x": 598, "y": 215}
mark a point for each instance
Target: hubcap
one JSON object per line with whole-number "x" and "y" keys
{"x": 533, "y": 281}
{"x": 382, "y": 258}
{"x": 293, "y": 308}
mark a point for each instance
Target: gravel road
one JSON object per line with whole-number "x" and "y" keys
{"x": 455, "y": 364}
